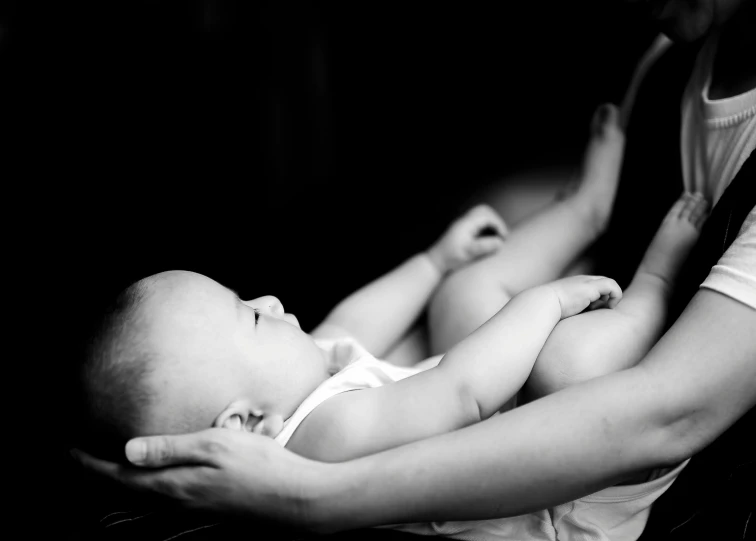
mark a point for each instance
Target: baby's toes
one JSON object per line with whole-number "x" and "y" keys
{"x": 696, "y": 210}
{"x": 677, "y": 209}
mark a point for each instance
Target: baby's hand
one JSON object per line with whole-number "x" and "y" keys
{"x": 479, "y": 232}
{"x": 577, "y": 293}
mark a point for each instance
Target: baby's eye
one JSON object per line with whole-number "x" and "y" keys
{"x": 257, "y": 314}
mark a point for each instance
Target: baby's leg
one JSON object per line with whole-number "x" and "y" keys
{"x": 595, "y": 343}
{"x": 412, "y": 349}
{"x": 539, "y": 249}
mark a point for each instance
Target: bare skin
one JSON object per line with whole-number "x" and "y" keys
{"x": 693, "y": 384}
{"x": 540, "y": 249}
{"x": 600, "y": 342}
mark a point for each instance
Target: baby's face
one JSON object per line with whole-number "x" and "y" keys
{"x": 215, "y": 349}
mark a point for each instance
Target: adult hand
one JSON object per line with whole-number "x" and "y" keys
{"x": 220, "y": 470}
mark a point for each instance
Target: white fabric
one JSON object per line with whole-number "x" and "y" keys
{"x": 614, "y": 514}
{"x": 351, "y": 368}
{"x": 734, "y": 274}
{"x": 617, "y": 513}
{"x": 716, "y": 139}
{"x": 716, "y": 135}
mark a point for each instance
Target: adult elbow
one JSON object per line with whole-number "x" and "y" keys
{"x": 679, "y": 440}
{"x": 678, "y": 426}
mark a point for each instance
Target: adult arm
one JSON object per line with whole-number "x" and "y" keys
{"x": 696, "y": 382}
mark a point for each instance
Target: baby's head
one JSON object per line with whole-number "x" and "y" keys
{"x": 179, "y": 352}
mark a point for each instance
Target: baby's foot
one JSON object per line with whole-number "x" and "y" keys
{"x": 601, "y": 165}
{"x": 675, "y": 238}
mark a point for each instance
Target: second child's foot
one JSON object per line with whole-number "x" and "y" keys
{"x": 601, "y": 165}
{"x": 675, "y": 238}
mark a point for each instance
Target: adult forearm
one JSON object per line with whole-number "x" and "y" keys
{"x": 547, "y": 452}
{"x": 695, "y": 383}
{"x": 705, "y": 368}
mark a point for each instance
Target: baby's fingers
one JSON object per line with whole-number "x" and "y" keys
{"x": 602, "y": 302}
{"x": 483, "y": 246}
{"x": 609, "y": 292}
{"x": 486, "y": 221}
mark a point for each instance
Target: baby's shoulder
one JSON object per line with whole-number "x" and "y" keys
{"x": 332, "y": 418}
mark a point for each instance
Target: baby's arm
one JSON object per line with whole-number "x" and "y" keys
{"x": 476, "y": 378}
{"x": 379, "y": 314}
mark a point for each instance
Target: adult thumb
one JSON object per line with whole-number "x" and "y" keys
{"x": 181, "y": 449}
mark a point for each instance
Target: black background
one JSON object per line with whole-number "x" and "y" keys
{"x": 291, "y": 148}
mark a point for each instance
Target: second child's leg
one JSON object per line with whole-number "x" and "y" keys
{"x": 596, "y": 343}
{"x": 539, "y": 250}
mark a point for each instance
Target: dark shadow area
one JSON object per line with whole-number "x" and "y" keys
{"x": 291, "y": 148}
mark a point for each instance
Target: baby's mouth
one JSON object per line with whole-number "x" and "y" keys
{"x": 292, "y": 319}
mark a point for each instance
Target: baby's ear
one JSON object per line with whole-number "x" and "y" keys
{"x": 237, "y": 416}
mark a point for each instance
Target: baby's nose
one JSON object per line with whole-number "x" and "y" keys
{"x": 272, "y": 304}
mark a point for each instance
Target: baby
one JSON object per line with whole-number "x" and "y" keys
{"x": 163, "y": 330}
{"x": 183, "y": 353}
{"x": 179, "y": 352}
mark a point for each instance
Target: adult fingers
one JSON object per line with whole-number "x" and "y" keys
{"x": 103, "y": 467}
{"x": 203, "y": 447}
{"x": 173, "y": 482}
{"x": 125, "y": 475}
